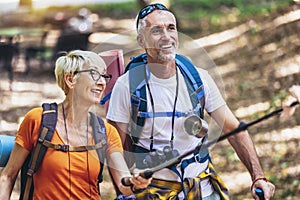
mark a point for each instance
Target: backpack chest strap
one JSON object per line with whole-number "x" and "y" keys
{"x": 68, "y": 148}
{"x": 163, "y": 114}
{"x": 199, "y": 157}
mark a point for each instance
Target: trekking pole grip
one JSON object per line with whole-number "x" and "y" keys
{"x": 126, "y": 181}
{"x": 145, "y": 174}
{"x": 260, "y": 193}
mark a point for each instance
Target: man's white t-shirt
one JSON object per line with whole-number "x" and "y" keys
{"x": 163, "y": 92}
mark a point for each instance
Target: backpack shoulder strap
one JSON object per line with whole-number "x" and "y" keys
{"x": 136, "y": 61}
{"x": 100, "y": 136}
{"x": 193, "y": 82}
{"x": 48, "y": 124}
{"x": 137, "y": 85}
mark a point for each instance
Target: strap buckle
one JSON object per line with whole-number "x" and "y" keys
{"x": 197, "y": 157}
{"x": 63, "y": 147}
{"x": 41, "y": 140}
{"x": 30, "y": 172}
{"x": 201, "y": 156}
{"x": 135, "y": 100}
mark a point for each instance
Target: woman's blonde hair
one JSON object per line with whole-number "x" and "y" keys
{"x": 70, "y": 63}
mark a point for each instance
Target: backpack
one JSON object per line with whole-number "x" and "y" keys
{"x": 136, "y": 70}
{"x": 48, "y": 124}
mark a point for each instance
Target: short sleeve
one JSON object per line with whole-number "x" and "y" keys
{"x": 213, "y": 97}
{"x": 119, "y": 103}
{"x": 113, "y": 139}
{"x": 29, "y": 129}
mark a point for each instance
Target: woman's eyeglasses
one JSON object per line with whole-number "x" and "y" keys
{"x": 96, "y": 75}
{"x": 149, "y": 9}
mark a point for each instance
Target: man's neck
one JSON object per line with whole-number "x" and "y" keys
{"x": 163, "y": 70}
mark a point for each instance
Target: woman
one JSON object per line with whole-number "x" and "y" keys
{"x": 70, "y": 175}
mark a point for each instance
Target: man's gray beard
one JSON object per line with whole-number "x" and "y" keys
{"x": 166, "y": 58}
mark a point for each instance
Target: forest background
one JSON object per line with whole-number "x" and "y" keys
{"x": 252, "y": 47}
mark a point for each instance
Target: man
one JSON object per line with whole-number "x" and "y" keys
{"x": 167, "y": 93}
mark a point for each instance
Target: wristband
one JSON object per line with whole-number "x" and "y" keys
{"x": 262, "y": 178}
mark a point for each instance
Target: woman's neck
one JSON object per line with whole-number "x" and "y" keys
{"x": 74, "y": 126}
{"x": 74, "y": 112}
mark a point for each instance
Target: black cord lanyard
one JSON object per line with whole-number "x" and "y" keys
{"x": 69, "y": 157}
{"x": 153, "y": 109}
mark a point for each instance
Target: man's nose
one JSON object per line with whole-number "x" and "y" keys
{"x": 166, "y": 34}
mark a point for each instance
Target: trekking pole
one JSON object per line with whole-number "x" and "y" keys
{"x": 260, "y": 193}
{"x": 147, "y": 173}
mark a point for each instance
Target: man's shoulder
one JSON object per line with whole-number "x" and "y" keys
{"x": 201, "y": 71}
{"x": 123, "y": 78}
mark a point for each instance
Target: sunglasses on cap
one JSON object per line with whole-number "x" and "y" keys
{"x": 149, "y": 9}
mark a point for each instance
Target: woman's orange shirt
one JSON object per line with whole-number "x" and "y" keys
{"x": 64, "y": 175}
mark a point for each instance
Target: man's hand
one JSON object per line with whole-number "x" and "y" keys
{"x": 139, "y": 182}
{"x": 264, "y": 184}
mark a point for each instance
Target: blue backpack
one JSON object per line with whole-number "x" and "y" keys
{"x": 136, "y": 69}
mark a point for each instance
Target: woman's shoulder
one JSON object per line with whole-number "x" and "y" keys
{"x": 111, "y": 132}
{"x": 113, "y": 138}
{"x": 34, "y": 113}
{"x": 110, "y": 128}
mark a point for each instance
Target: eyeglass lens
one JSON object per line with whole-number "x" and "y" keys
{"x": 96, "y": 76}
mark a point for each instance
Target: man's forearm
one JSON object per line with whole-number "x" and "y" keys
{"x": 243, "y": 145}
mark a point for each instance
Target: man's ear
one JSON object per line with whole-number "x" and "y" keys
{"x": 69, "y": 80}
{"x": 140, "y": 40}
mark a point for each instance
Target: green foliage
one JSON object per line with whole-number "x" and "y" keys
{"x": 116, "y": 10}
{"x": 275, "y": 103}
{"x": 277, "y": 99}
{"x": 286, "y": 193}
{"x": 211, "y": 8}
{"x": 216, "y": 13}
